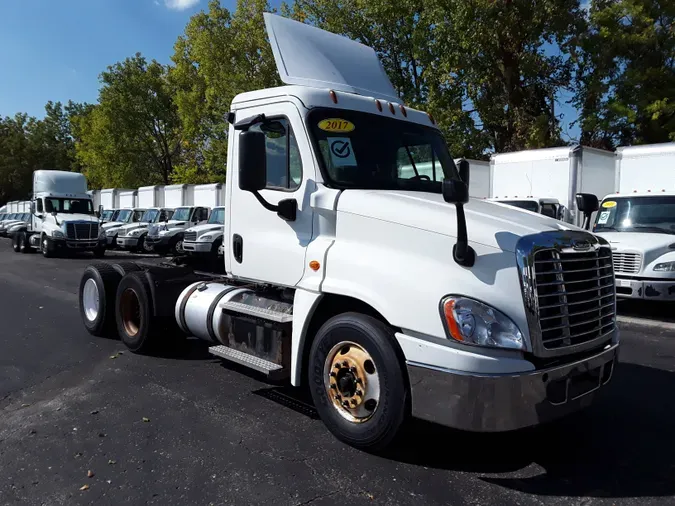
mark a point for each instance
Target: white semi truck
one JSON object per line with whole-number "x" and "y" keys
{"x": 639, "y": 222}
{"x": 206, "y": 240}
{"x": 388, "y": 297}
{"x": 123, "y": 217}
{"x": 167, "y": 237}
{"x": 62, "y": 216}
{"x": 546, "y": 181}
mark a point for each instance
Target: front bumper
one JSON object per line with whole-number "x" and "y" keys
{"x": 80, "y": 244}
{"x": 503, "y": 402}
{"x": 127, "y": 242}
{"x": 197, "y": 247}
{"x": 652, "y": 289}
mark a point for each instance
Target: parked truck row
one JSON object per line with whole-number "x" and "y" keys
{"x": 390, "y": 294}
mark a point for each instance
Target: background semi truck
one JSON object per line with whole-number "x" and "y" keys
{"x": 547, "y": 180}
{"x": 639, "y": 222}
{"x": 62, "y": 216}
{"x": 206, "y": 240}
{"x": 387, "y": 296}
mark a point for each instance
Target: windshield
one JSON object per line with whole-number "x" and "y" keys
{"x": 138, "y": 215}
{"x": 637, "y": 214}
{"x": 105, "y": 215}
{"x": 370, "y": 151}
{"x": 68, "y": 206}
{"x": 217, "y": 217}
{"x": 181, "y": 214}
{"x": 25, "y": 216}
{"x": 528, "y": 205}
{"x": 150, "y": 215}
{"x": 123, "y": 215}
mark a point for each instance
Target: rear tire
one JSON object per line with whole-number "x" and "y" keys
{"x": 137, "y": 327}
{"x": 125, "y": 268}
{"x": 358, "y": 382}
{"x": 98, "y": 287}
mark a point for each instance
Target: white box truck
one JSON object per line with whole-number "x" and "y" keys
{"x": 206, "y": 240}
{"x": 167, "y": 238}
{"x": 62, "y": 216}
{"x": 387, "y": 296}
{"x": 546, "y": 181}
{"x": 639, "y": 222}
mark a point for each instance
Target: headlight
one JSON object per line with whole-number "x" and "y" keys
{"x": 665, "y": 267}
{"x": 471, "y": 322}
{"x": 205, "y": 238}
{"x": 136, "y": 232}
{"x": 57, "y": 234}
{"x": 111, "y": 231}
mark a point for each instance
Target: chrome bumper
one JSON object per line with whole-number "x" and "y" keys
{"x": 197, "y": 247}
{"x": 127, "y": 242}
{"x": 493, "y": 403}
{"x": 650, "y": 289}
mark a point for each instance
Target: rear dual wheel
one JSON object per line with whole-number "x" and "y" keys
{"x": 358, "y": 381}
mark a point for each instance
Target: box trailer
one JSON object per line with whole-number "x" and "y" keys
{"x": 553, "y": 173}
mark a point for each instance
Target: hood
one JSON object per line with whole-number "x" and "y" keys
{"x": 202, "y": 229}
{"x": 638, "y": 241}
{"x": 111, "y": 224}
{"x": 132, "y": 226}
{"x": 488, "y": 223}
{"x": 67, "y": 217}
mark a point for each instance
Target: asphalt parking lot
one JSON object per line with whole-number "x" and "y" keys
{"x": 188, "y": 429}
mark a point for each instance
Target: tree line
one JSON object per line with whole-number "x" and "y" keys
{"x": 490, "y": 71}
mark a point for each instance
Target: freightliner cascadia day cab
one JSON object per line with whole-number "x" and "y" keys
{"x": 62, "y": 216}
{"x": 639, "y": 222}
{"x": 363, "y": 285}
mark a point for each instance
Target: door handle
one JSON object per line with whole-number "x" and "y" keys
{"x": 238, "y": 247}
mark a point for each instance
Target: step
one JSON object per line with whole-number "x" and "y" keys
{"x": 247, "y": 360}
{"x": 259, "y": 312}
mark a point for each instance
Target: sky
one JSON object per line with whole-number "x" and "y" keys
{"x": 56, "y": 49}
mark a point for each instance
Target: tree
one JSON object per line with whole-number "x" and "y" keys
{"x": 626, "y": 87}
{"x": 220, "y": 55}
{"x": 132, "y": 136}
{"x": 16, "y": 157}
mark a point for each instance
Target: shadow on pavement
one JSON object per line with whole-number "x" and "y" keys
{"x": 621, "y": 447}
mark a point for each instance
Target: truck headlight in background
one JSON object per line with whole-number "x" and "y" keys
{"x": 111, "y": 231}
{"x": 57, "y": 234}
{"x": 205, "y": 238}
{"x": 665, "y": 267}
{"x": 136, "y": 233}
{"x": 471, "y": 322}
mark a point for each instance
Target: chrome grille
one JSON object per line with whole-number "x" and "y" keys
{"x": 82, "y": 231}
{"x": 575, "y": 296}
{"x": 627, "y": 263}
{"x": 190, "y": 236}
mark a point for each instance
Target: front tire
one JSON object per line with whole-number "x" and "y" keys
{"x": 47, "y": 247}
{"x": 15, "y": 243}
{"x": 358, "y": 382}
{"x": 24, "y": 246}
{"x": 98, "y": 287}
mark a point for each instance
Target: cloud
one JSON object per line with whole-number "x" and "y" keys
{"x": 180, "y": 5}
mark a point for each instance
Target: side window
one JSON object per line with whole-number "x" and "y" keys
{"x": 284, "y": 167}
{"x": 548, "y": 210}
{"x": 418, "y": 162}
{"x": 39, "y": 205}
{"x": 201, "y": 214}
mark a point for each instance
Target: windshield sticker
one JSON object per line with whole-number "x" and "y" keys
{"x": 336, "y": 125}
{"x": 604, "y": 217}
{"x": 341, "y": 152}
{"x": 609, "y": 204}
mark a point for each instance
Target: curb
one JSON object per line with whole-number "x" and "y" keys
{"x": 645, "y": 322}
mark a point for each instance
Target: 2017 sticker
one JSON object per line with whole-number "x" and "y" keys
{"x": 608, "y": 204}
{"x": 336, "y": 125}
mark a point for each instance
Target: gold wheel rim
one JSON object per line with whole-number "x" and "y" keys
{"x": 352, "y": 381}
{"x": 130, "y": 308}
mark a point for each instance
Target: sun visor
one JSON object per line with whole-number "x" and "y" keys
{"x": 309, "y": 56}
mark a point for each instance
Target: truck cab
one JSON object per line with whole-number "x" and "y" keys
{"x": 206, "y": 239}
{"x": 387, "y": 293}
{"x": 640, "y": 228}
{"x": 541, "y": 205}
{"x": 123, "y": 217}
{"x": 132, "y": 235}
{"x": 108, "y": 215}
{"x": 167, "y": 238}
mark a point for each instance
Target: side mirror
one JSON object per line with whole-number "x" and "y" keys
{"x": 464, "y": 174}
{"x": 252, "y": 161}
{"x": 562, "y": 212}
{"x": 587, "y": 203}
{"x": 457, "y": 192}
{"x": 100, "y": 210}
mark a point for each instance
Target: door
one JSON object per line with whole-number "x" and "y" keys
{"x": 262, "y": 246}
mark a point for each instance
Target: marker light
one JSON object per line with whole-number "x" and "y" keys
{"x": 379, "y": 105}
{"x": 333, "y": 96}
